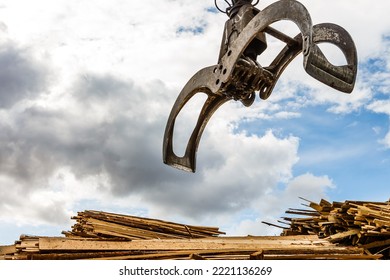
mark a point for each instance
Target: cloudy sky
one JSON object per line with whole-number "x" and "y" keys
{"x": 87, "y": 87}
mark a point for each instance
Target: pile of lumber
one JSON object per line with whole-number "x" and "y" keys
{"x": 211, "y": 248}
{"x": 102, "y": 235}
{"x": 97, "y": 224}
{"x": 359, "y": 223}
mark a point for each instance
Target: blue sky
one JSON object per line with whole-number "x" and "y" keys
{"x": 344, "y": 147}
{"x": 87, "y": 87}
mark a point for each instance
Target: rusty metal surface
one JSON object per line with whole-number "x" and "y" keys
{"x": 238, "y": 76}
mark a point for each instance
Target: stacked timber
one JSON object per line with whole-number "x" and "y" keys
{"x": 359, "y": 223}
{"x": 101, "y": 235}
{"x": 97, "y": 224}
{"x": 210, "y": 248}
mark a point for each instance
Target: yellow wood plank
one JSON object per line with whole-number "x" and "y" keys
{"x": 342, "y": 235}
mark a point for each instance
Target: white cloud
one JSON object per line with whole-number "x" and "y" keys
{"x": 23, "y": 206}
{"x": 386, "y": 141}
{"x": 380, "y": 106}
{"x": 309, "y": 186}
{"x": 110, "y": 146}
{"x": 369, "y": 26}
{"x": 271, "y": 207}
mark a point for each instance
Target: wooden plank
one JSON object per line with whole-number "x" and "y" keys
{"x": 8, "y": 249}
{"x": 78, "y": 255}
{"x": 322, "y": 257}
{"x": 316, "y": 206}
{"x": 316, "y": 250}
{"x": 303, "y": 212}
{"x": 64, "y": 244}
{"x": 342, "y": 235}
{"x": 382, "y": 222}
{"x": 270, "y": 224}
{"x": 178, "y": 254}
{"x": 376, "y": 244}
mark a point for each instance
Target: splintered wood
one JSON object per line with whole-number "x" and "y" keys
{"x": 359, "y": 223}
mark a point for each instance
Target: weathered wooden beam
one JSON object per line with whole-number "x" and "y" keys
{"x": 226, "y": 243}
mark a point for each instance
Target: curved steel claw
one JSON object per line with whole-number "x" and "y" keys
{"x": 237, "y": 77}
{"x": 200, "y": 82}
{"x": 316, "y": 65}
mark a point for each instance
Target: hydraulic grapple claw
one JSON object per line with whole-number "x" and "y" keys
{"x": 238, "y": 75}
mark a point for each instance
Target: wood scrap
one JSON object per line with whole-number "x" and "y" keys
{"x": 359, "y": 223}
